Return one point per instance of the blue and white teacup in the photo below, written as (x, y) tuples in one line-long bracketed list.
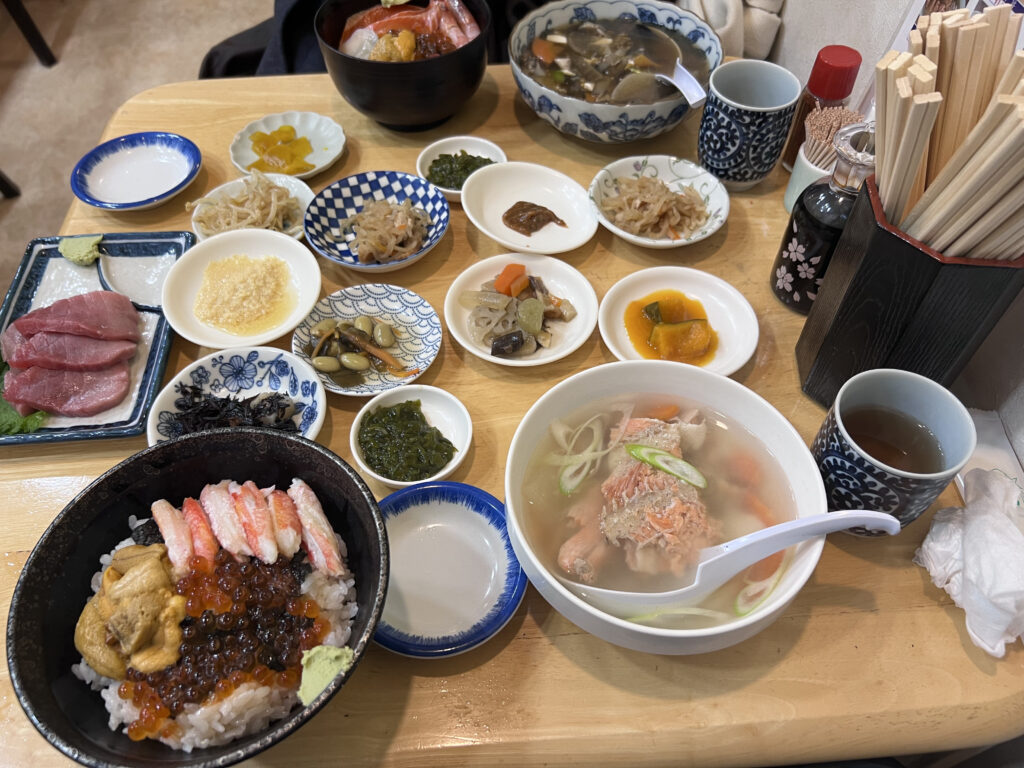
[(746, 120), (856, 479)]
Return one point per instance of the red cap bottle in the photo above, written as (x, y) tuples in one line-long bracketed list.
[(830, 85)]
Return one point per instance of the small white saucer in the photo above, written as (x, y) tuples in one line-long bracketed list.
[(728, 311), (325, 136), (455, 581), (493, 189)]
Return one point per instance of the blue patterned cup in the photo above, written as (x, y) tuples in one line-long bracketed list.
[(746, 119), (856, 479)]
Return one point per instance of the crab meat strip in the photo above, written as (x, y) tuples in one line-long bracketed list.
[(204, 543), (220, 509), (317, 535), (287, 526), (176, 535), (254, 514)]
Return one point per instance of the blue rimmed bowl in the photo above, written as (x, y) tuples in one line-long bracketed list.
[(347, 197), (608, 123), (241, 373), (136, 171), (455, 581), (415, 323)]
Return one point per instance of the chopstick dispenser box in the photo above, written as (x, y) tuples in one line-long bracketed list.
[(889, 301)]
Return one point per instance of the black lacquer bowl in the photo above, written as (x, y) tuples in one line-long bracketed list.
[(411, 95), (54, 586)]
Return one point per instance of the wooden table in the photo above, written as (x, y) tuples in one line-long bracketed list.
[(870, 659)]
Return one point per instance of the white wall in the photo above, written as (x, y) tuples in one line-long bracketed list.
[(865, 25)]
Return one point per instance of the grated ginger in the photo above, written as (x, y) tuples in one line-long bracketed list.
[(241, 294)]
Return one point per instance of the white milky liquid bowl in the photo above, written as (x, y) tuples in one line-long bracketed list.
[(714, 393)]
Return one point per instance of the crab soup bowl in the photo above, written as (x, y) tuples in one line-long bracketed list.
[(612, 123), (768, 432)]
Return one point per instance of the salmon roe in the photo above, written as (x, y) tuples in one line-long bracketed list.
[(245, 621)]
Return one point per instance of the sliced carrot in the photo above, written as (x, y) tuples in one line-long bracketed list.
[(519, 285), (743, 469), (762, 569), (503, 282), (545, 50), (759, 509), (663, 412)]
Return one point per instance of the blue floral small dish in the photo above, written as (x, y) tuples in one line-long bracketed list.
[(677, 174), (416, 326), (455, 581), (136, 171), (608, 123), (347, 197), (241, 373)]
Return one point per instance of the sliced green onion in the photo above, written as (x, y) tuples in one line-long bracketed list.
[(667, 462)]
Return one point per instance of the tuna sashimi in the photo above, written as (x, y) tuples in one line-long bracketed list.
[(100, 315), (67, 393), (63, 351)]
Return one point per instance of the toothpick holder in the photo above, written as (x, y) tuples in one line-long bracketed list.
[(889, 301)]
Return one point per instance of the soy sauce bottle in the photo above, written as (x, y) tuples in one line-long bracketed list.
[(818, 218)]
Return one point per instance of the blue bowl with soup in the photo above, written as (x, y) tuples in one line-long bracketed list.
[(575, 63), (584, 504)]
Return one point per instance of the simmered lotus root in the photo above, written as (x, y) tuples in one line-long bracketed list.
[(687, 339)]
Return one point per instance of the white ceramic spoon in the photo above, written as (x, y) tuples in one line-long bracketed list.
[(680, 76), (721, 562)]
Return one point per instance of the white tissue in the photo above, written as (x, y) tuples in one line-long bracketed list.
[(976, 554)]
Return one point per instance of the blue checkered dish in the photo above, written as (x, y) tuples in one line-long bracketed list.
[(347, 196)]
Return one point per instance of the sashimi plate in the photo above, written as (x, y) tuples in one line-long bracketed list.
[(134, 264), (455, 581)]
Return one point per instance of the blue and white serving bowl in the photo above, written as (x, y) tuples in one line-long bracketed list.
[(416, 326), (455, 581), (608, 123), (241, 373), (347, 197), (136, 171)]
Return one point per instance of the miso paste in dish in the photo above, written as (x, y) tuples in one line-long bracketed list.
[(610, 61), (625, 492)]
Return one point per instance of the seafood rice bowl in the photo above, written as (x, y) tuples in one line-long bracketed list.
[(236, 585), (199, 602)]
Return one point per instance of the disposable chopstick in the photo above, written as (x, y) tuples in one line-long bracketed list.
[(916, 41), (993, 218), (1009, 42), (896, 69), (933, 43), (983, 135), (992, 157), (901, 112), (961, 87), (999, 186), (881, 103), (997, 16), (920, 119), (1004, 242), (1012, 78), (983, 72), (946, 60)]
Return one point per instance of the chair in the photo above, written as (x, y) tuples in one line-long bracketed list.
[(31, 32), (7, 187)]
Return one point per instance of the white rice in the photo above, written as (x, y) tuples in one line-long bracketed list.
[(251, 707)]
